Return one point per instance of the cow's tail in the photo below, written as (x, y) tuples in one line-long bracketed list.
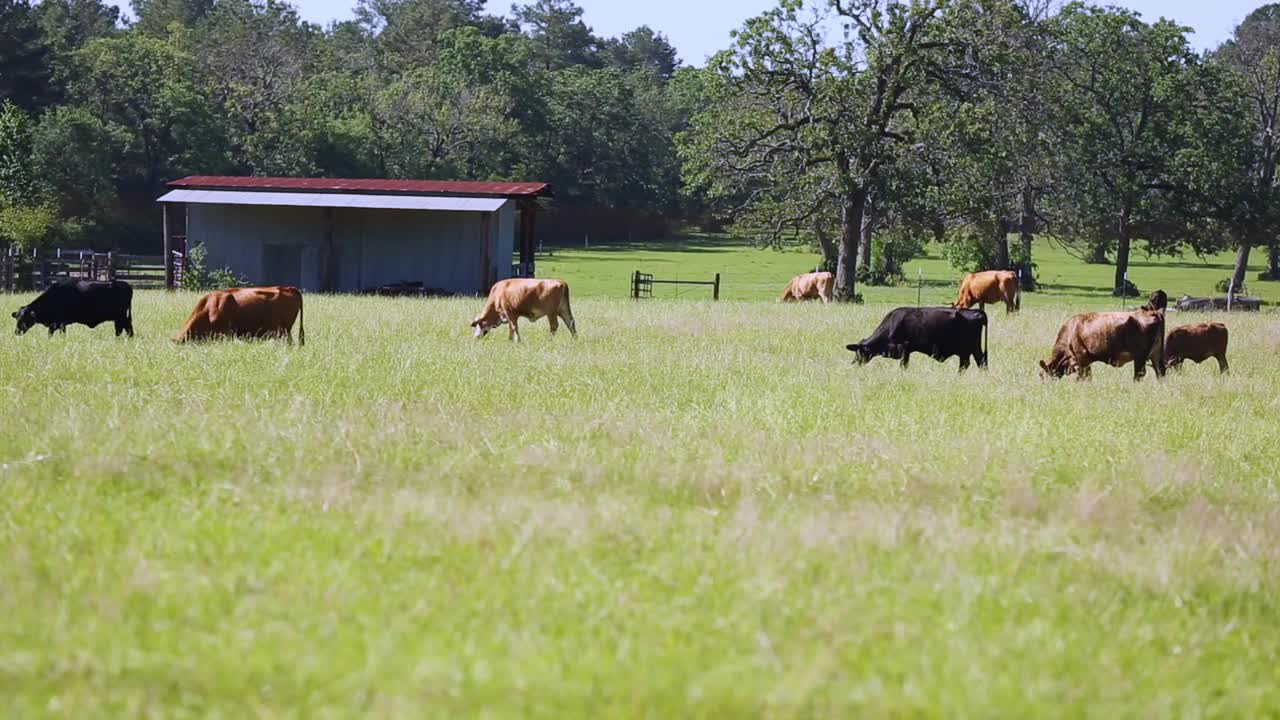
[(302, 327)]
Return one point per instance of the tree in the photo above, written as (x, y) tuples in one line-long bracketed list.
[(432, 124), (989, 124), (24, 58), (70, 24), (643, 49), (17, 182), (1124, 91), (252, 59), (155, 17), (1253, 55), (142, 90), (608, 140), (561, 39), (808, 126), (409, 32)]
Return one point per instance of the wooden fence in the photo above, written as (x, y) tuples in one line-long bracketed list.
[(38, 269)]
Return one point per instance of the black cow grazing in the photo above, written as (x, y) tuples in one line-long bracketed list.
[(79, 301), (939, 333)]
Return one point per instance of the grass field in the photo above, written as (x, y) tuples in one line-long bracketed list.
[(750, 274), (694, 510)]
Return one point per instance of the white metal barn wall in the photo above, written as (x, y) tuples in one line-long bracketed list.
[(442, 249)]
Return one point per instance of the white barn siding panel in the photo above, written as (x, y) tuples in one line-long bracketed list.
[(505, 242), (442, 249)]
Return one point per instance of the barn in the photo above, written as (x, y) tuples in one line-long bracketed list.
[(340, 235)]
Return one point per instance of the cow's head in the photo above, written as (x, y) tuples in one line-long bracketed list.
[(1158, 301), (26, 318), (861, 353), (484, 323), (1057, 369)]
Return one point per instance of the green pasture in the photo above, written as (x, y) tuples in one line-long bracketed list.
[(695, 509), (751, 274)]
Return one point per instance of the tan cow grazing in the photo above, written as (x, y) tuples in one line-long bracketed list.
[(1197, 343), (510, 300), (813, 286), (254, 312), (1114, 338), (991, 286)]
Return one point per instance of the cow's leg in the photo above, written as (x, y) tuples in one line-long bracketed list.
[(515, 330), (554, 323), (1139, 370), (1223, 368), (964, 361), (906, 357)]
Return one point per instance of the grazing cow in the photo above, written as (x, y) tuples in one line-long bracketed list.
[(992, 286), (1197, 343), (939, 333), (510, 300), (813, 286), (1158, 301), (83, 302), (1114, 338), (254, 312)]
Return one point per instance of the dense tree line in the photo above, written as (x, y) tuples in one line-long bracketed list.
[(96, 113), (864, 122), (865, 127)]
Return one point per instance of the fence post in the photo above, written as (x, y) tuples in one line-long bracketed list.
[(635, 285), (715, 294), (919, 285)]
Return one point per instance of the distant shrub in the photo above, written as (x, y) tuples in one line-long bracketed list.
[(198, 277)]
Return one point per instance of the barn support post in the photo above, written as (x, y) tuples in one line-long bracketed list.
[(327, 259), (168, 248), (528, 214)]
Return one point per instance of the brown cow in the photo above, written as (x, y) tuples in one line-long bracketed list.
[(255, 312), (1197, 343), (813, 286), (510, 300), (991, 286), (1114, 338)]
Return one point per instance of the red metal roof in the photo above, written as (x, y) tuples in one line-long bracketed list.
[(331, 185)]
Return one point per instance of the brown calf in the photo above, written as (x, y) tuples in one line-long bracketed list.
[(255, 312), (813, 286), (1114, 338), (510, 300), (991, 286), (1197, 343)]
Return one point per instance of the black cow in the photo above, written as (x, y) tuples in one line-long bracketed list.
[(939, 333), (79, 301)]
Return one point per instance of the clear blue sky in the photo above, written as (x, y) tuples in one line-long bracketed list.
[(699, 28)]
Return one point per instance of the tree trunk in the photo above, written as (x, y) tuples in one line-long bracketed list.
[(1242, 265), (869, 219), (1273, 263), (1122, 256), (1027, 228), (850, 230), (1098, 254), (1001, 241), (830, 252)]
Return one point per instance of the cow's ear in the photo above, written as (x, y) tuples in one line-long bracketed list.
[(852, 348)]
